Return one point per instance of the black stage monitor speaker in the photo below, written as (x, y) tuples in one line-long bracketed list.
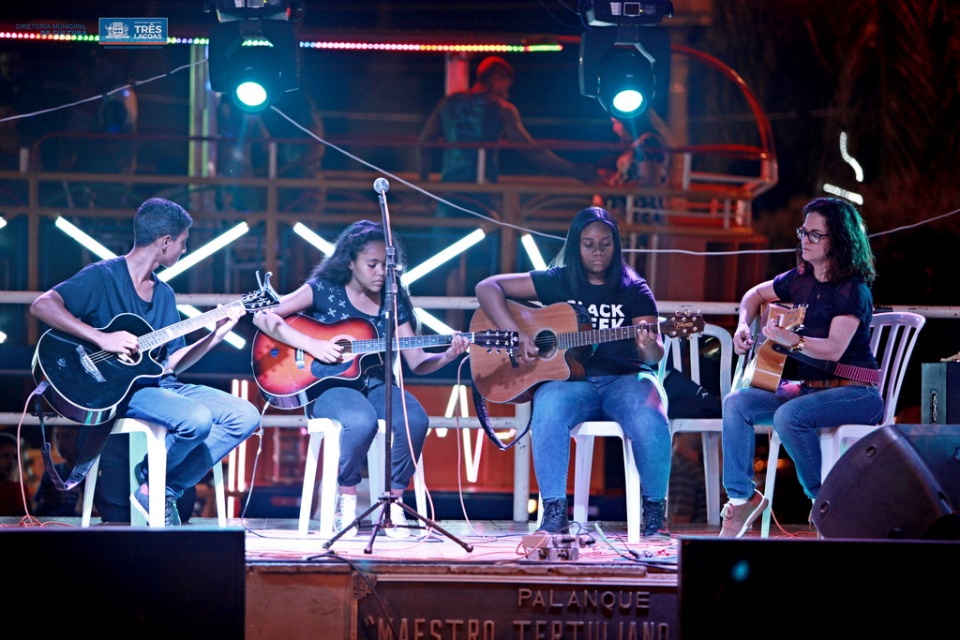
[(882, 488), (119, 582), (809, 588)]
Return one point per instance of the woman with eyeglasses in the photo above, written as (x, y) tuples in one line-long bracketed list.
[(819, 313)]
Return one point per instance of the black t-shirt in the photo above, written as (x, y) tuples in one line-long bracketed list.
[(605, 311), (331, 304), (103, 290), (827, 300)]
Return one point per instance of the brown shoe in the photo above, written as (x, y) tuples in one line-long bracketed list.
[(738, 518)]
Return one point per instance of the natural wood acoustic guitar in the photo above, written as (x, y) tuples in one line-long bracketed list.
[(562, 339), (763, 365)]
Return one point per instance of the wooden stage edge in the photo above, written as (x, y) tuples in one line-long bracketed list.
[(259, 578), (510, 584)]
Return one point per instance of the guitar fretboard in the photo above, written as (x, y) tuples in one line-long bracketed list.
[(150, 341), (376, 345), (596, 336)]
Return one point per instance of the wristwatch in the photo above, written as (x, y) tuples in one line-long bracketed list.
[(799, 346)]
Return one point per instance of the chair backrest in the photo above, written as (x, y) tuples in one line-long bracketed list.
[(673, 356), (893, 336)]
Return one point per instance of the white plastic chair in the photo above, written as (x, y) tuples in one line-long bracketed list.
[(326, 429), (709, 428), (585, 433), (583, 436), (153, 444), (893, 336)]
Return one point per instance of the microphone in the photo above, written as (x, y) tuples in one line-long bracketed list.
[(380, 185)]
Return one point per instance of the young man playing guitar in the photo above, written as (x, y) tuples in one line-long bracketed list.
[(835, 269), (619, 380), (204, 423), (347, 287)]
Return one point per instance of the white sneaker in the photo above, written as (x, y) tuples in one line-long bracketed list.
[(398, 517), (346, 514)]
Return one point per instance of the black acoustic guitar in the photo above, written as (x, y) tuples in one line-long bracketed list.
[(86, 384)]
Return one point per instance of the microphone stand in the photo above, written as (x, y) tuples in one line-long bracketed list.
[(387, 498)]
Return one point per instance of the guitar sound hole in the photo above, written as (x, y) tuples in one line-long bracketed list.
[(546, 344)]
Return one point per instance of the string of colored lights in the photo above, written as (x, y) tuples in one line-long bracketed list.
[(351, 44)]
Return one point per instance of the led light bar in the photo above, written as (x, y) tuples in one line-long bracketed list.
[(193, 257), (452, 251)]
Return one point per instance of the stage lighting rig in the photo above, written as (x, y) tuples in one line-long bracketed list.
[(228, 10), (609, 14), (624, 61), (254, 54)]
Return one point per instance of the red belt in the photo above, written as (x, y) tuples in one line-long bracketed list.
[(834, 382)]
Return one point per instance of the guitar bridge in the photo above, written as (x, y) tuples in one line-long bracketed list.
[(300, 360), (88, 366)]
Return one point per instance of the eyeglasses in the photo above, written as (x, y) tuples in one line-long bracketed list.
[(813, 236)]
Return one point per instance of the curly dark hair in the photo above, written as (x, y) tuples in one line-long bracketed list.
[(351, 241), (619, 273), (335, 268), (849, 250)]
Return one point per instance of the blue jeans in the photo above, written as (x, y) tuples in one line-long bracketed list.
[(203, 426), (797, 413), (636, 402), (359, 413)]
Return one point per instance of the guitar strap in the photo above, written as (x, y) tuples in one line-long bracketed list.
[(840, 370), (90, 441), (480, 403)]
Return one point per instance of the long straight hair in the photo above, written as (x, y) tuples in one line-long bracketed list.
[(618, 274)]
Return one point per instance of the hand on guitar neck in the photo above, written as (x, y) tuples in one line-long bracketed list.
[(763, 366)]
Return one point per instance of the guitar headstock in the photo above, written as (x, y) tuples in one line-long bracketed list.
[(497, 339), (263, 298), (682, 324), (789, 318)]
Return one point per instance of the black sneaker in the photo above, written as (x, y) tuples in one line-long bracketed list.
[(554, 516), (654, 519), (141, 502)]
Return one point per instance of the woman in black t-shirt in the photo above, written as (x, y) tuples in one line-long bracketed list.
[(619, 382)]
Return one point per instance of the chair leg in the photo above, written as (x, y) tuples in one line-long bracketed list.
[(711, 471), (157, 471), (420, 490), (634, 502), (309, 477), (771, 481), (583, 466), (327, 432), (220, 494), (375, 470), (89, 487)]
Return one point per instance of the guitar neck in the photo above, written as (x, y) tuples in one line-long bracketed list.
[(150, 341), (378, 345), (596, 336)]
